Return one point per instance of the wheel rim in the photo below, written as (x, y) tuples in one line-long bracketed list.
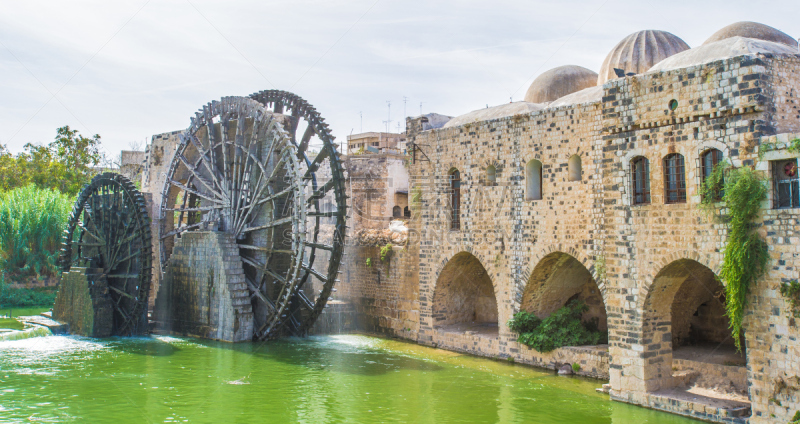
[(326, 203), (236, 170), (109, 232)]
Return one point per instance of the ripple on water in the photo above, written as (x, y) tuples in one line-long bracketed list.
[(319, 379)]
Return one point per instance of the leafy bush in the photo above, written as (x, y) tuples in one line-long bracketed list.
[(20, 298), (66, 164), (562, 328), (386, 252), (32, 222), (745, 258)]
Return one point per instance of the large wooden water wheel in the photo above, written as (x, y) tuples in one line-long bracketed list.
[(238, 170), (324, 180), (109, 233)]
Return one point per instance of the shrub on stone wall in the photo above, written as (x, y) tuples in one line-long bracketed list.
[(745, 257), (562, 328), (791, 291)]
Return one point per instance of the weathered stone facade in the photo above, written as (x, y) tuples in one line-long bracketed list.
[(83, 303), (204, 293), (654, 265), (548, 213), (158, 156)]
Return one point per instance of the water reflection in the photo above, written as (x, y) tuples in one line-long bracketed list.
[(341, 379)]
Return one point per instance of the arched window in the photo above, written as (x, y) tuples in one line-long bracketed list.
[(708, 160), (491, 175), (455, 200), (407, 212), (640, 180), (397, 212), (574, 166), (674, 179), (533, 180)]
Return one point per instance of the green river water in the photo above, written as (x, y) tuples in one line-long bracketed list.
[(330, 379)]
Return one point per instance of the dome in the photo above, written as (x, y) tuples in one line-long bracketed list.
[(639, 51), (558, 82), (752, 30), (719, 50), (494, 112)]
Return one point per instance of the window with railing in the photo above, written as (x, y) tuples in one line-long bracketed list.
[(674, 179), (491, 175), (785, 184), (455, 200), (708, 160), (640, 180)]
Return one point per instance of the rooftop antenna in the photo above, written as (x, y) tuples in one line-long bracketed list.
[(389, 118), (405, 100), (361, 114), (387, 126), (420, 107)]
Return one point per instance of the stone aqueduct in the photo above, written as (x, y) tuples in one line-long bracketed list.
[(550, 206), (648, 258)]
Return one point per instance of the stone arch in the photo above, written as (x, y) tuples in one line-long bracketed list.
[(713, 144), (559, 278), (683, 306), (464, 296), (711, 262), (557, 248)]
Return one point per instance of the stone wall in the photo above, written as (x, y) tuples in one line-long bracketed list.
[(204, 293), (652, 266), (158, 156), (83, 303), (373, 182), (132, 164), (385, 295)]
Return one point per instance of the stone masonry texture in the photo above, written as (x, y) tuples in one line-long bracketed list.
[(650, 266)]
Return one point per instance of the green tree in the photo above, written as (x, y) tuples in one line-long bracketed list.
[(66, 164), (11, 175)]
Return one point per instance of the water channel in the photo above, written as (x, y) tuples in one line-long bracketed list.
[(323, 379)]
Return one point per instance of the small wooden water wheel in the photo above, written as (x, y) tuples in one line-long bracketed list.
[(109, 233)]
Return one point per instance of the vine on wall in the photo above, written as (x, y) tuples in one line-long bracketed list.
[(745, 256), (791, 291)]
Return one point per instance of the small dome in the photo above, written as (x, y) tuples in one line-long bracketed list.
[(639, 51), (558, 82), (753, 30), (494, 112), (720, 50)]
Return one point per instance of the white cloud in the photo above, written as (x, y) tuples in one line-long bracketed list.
[(149, 68)]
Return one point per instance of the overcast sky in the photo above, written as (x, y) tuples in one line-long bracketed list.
[(129, 69)]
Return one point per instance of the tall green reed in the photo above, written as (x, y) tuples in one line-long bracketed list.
[(32, 222)]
